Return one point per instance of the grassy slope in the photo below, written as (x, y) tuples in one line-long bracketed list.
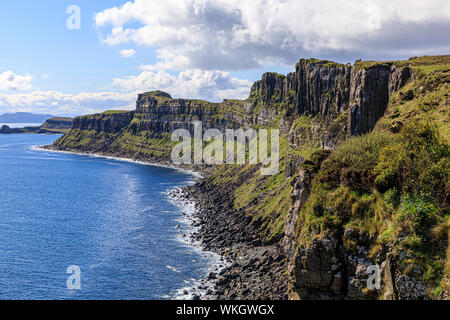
[(425, 98), (407, 209), (394, 182)]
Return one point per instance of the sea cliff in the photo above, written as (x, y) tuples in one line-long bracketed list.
[(363, 179)]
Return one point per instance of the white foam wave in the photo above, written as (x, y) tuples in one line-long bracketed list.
[(215, 263), (195, 174), (188, 208), (173, 269)]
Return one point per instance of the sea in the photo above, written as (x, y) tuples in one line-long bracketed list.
[(87, 227), (20, 125)]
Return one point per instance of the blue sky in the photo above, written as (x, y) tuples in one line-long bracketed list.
[(37, 41), (209, 49)]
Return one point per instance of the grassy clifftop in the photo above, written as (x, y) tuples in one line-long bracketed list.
[(392, 186), (426, 97)]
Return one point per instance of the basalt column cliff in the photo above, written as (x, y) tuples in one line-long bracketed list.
[(363, 180)]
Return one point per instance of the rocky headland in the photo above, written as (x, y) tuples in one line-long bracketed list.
[(363, 179), (55, 125)]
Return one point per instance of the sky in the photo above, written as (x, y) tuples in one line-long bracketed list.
[(199, 49)]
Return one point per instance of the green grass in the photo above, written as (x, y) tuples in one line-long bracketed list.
[(430, 101), (391, 187), (325, 63)]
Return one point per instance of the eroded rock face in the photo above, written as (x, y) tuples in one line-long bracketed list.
[(58, 122), (398, 78), (318, 271), (113, 122), (328, 89), (299, 196), (164, 115), (326, 269), (320, 89), (337, 264), (369, 97)]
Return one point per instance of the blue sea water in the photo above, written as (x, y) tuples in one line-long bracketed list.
[(113, 219)]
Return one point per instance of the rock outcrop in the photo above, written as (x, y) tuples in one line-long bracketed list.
[(157, 112), (318, 105), (107, 122), (328, 89), (56, 125), (317, 88)]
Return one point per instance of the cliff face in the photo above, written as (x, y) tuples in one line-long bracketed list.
[(316, 88), (57, 124), (328, 89), (341, 215), (316, 107), (157, 112), (109, 122)]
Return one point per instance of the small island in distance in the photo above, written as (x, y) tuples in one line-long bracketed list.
[(50, 124)]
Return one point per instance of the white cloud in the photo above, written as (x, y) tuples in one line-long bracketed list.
[(127, 53), (200, 38), (236, 34), (11, 81), (67, 104), (211, 85), (192, 83)]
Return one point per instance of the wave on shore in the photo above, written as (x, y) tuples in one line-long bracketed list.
[(202, 288), (188, 224), (196, 175)]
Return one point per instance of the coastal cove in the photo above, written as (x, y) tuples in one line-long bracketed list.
[(113, 218)]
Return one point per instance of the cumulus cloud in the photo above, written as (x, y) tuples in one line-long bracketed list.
[(11, 81), (127, 53), (211, 85), (198, 41), (67, 104), (236, 34), (192, 83)]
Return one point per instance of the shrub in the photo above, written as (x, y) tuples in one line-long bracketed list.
[(441, 230), (417, 213), (389, 167), (315, 160), (418, 163), (354, 159)]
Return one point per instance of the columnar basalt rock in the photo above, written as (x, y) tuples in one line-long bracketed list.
[(316, 88), (340, 100), (110, 122), (369, 97), (328, 89), (159, 113)]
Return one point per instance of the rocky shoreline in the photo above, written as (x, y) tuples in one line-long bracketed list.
[(257, 271), (250, 270)]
